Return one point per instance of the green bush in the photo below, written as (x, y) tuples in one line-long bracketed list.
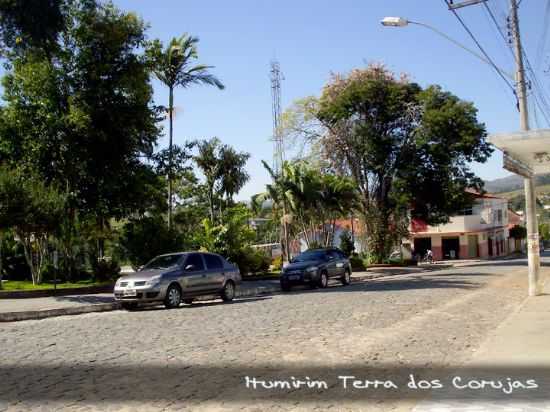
[(14, 265), (346, 243), (144, 238), (250, 260), (50, 273), (518, 232), (358, 263), (105, 270), (277, 263)]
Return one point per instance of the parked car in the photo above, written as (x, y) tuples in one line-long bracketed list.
[(179, 277), (315, 267)]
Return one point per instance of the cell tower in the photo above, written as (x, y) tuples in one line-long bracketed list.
[(278, 139), (278, 146)]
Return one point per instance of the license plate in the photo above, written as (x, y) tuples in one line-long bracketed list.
[(129, 292), (294, 277)]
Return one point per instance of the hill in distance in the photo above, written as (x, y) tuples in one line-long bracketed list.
[(512, 183)]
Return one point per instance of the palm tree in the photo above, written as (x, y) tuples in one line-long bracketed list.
[(174, 66)]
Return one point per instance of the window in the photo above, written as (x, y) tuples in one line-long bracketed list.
[(334, 254), (163, 262), (468, 212), (195, 260), (499, 215), (309, 255), (213, 262)]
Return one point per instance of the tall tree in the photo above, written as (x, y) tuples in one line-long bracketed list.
[(407, 149), (84, 117), (223, 169), (34, 211), (315, 199), (176, 66)]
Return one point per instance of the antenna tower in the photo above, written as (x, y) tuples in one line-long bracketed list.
[(278, 140)]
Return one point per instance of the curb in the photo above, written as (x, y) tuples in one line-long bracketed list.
[(45, 293), (48, 313)]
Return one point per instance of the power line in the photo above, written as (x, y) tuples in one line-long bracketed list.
[(540, 101), (542, 43), (499, 29), (480, 47)]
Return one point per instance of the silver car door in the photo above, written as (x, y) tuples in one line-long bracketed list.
[(194, 274), (215, 271)]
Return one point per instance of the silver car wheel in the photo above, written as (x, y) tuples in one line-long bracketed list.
[(348, 277), (324, 280), (174, 297), (229, 290)]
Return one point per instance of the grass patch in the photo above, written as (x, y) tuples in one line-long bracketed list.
[(12, 285)]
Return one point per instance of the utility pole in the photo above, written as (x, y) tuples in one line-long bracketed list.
[(533, 254)]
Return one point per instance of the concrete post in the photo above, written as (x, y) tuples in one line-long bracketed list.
[(528, 183)]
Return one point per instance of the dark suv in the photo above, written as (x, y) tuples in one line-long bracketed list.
[(314, 267)]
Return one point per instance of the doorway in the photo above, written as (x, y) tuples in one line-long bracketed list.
[(451, 247), (421, 246)]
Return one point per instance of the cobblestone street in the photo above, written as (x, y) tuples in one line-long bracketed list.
[(196, 357)]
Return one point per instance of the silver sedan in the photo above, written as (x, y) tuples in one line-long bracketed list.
[(179, 277)]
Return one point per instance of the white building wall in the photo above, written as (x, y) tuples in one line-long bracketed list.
[(486, 214)]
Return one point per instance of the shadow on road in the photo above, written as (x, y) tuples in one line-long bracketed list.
[(505, 263), (200, 304), (384, 285), (85, 299)]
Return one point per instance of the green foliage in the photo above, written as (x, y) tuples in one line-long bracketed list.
[(358, 263), (518, 232), (34, 211), (230, 238), (31, 23), (544, 231), (14, 264), (174, 65), (105, 270), (223, 169), (146, 237), (346, 243), (415, 152), (277, 263), (250, 260), (82, 116), (314, 200)]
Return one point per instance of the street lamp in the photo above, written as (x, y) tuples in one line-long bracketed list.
[(402, 22)]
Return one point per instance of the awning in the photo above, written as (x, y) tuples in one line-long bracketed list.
[(525, 153)]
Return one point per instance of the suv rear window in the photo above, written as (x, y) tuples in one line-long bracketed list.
[(213, 262)]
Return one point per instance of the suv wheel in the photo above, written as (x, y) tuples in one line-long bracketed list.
[(285, 286), (228, 292), (346, 278), (173, 297), (323, 280)]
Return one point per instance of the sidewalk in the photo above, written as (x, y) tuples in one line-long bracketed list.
[(518, 350), (524, 338)]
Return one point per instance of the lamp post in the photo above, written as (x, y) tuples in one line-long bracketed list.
[(519, 80), (402, 22)]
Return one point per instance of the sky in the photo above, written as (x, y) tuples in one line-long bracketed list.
[(314, 38)]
